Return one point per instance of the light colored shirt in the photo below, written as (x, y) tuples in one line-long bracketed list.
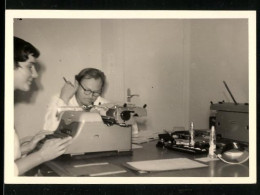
[(51, 120), (17, 152)]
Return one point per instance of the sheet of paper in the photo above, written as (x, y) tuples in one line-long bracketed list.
[(144, 136), (165, 164), (206, 159), (136, 146), (94, 169)]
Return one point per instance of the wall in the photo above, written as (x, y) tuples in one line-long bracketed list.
[(155, 70), (112, 39), (219, 52)]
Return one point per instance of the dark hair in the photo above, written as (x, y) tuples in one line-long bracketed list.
[(22, 50), (91, 73)]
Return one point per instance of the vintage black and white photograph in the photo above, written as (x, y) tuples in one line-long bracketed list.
[(130, 97)]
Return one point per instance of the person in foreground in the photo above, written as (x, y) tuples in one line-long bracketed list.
[(25, 157), (86, 92)]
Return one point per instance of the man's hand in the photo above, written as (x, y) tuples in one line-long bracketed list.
[(68, 90)]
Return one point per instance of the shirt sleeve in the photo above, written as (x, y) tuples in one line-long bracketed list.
[(51, 120)]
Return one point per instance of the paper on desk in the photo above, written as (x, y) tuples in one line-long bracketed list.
[(165, 164), (136, 146), (144, 137), (206, 159), (94, 169)]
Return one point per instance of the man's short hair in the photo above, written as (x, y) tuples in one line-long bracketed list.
[(90, 73), (22, 50)]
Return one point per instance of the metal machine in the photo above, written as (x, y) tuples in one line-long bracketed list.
[(92, 132), (232, 119)]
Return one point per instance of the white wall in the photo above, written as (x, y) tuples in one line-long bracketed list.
[(185, 62), (155, 69), (112, 39), (219, 52)]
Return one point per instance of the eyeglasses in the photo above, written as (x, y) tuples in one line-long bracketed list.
[(88, 92)]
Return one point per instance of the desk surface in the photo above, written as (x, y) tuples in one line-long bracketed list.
[(149, 151)]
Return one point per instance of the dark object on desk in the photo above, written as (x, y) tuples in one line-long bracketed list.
[(234, 153), (212, 121), (231, 119), (180, 141), (124, 115)]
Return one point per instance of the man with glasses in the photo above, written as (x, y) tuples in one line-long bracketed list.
[(85, 92)]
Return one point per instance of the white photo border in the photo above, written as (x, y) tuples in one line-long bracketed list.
[(9, 177)]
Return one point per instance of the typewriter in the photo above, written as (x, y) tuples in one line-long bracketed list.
[(94, 133)]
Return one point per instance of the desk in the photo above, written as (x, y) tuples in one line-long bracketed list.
[(151, 152)]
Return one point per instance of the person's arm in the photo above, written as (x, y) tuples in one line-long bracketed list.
[(51, 121), (28, 162), (50, 150), (29, 145)]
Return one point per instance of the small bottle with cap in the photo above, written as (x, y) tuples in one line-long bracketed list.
[(212, 143), (135, 129), (192, 135)]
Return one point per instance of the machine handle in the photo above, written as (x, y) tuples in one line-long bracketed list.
[(129, 95)]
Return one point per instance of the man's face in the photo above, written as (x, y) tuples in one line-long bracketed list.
[(88, 91), (24, 75)]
